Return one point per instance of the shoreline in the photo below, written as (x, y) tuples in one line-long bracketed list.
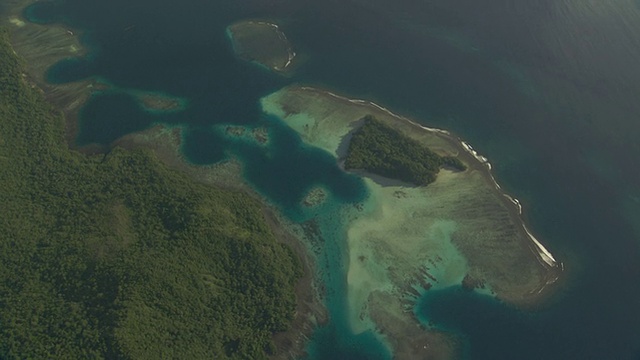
[(310, 311)]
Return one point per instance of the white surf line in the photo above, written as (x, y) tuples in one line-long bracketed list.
[(382, 108), (515, 201), (475, 154), (290, 53), (464, 144), (544, 254)]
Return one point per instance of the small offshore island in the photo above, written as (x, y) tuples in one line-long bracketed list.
[(263, 43), (435, 218)]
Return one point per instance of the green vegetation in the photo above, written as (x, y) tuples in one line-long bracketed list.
[(380, 149), (116, 256)]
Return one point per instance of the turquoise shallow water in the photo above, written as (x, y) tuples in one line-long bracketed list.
[(547, 90), (285, 173)]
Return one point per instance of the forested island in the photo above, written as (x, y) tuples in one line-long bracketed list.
[(382, 150), (117, 256)]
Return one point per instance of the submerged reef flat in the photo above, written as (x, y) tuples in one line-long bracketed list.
[(263, 43), (460, 230), (158, 102), (258, 135), (314, 197)]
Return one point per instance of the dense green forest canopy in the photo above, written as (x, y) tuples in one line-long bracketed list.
[(116, 256), (382, 150)]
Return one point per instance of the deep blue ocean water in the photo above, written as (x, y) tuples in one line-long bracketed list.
[(548, 90)]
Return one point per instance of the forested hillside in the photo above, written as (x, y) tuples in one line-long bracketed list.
[(116, 256)]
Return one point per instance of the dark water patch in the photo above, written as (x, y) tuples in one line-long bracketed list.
[(470, 315), (109, 115), (371, 57), (546, 334), (70, 70), (45, 12), (287, 169), (150, 48), (327, 343), (203, 146)]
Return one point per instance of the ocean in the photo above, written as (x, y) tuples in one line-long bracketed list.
[(549, 91)]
